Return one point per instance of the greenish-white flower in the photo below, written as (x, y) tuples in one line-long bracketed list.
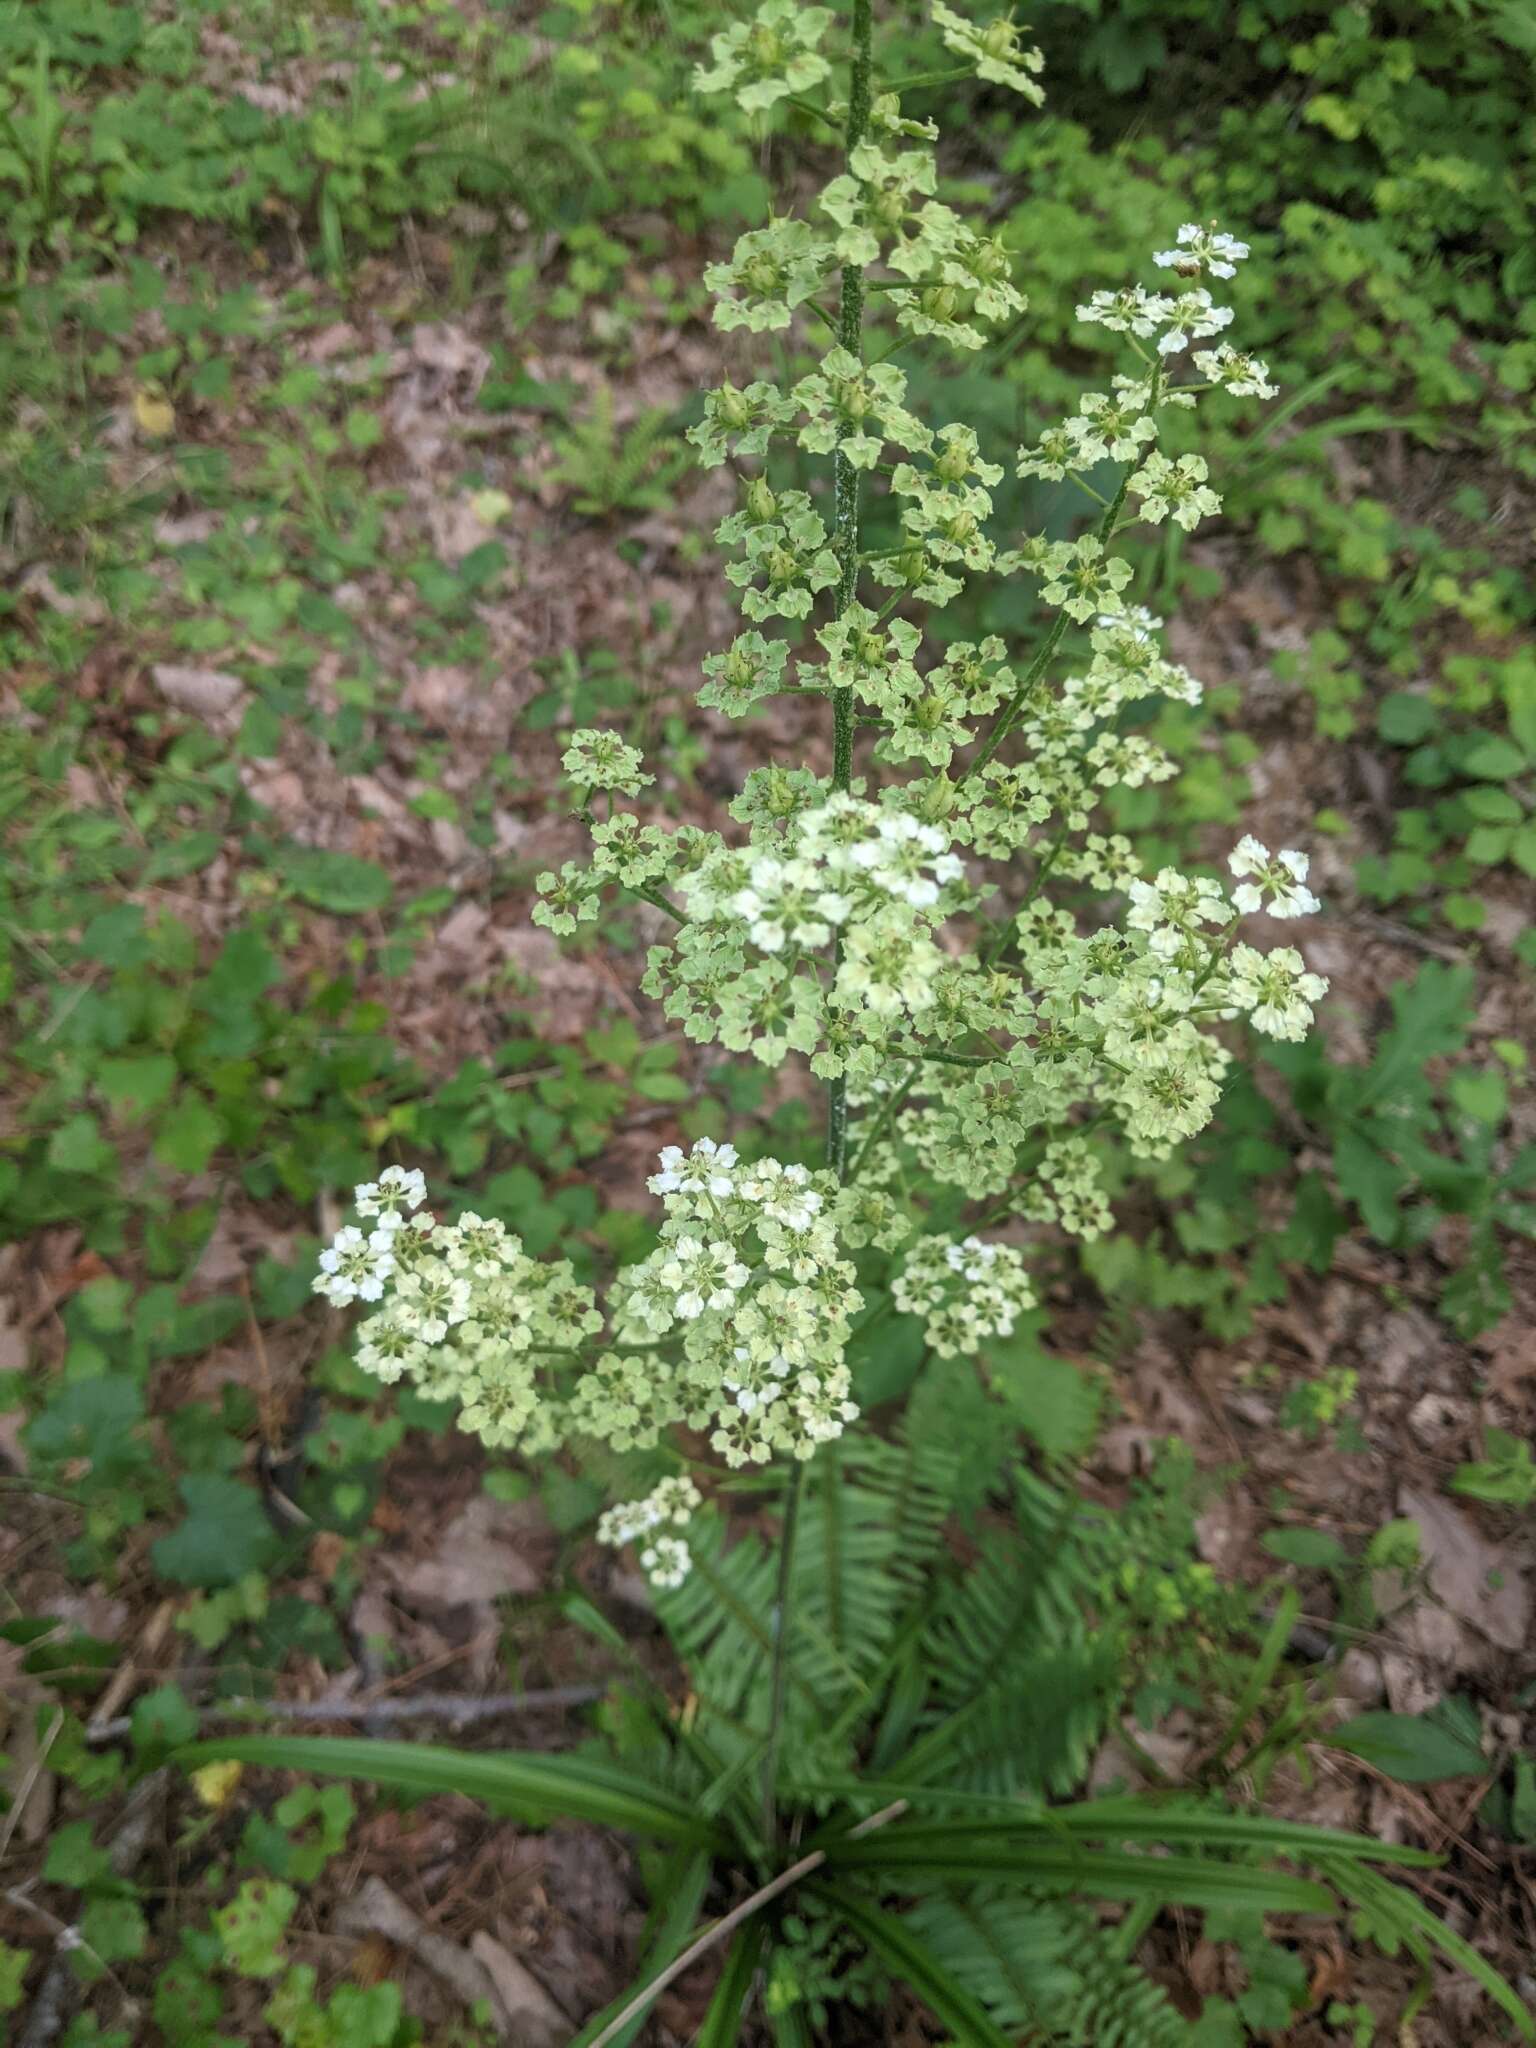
[(766, 59), (995, 48), (772, 271)]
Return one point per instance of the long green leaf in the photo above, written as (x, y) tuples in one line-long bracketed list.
[(1263, 1669), (1148, 1820), (957, 1852), (791, 2029), (1419, 1929), (905, 1956), (1116, 1820), (541, 1788), (722, 2023)]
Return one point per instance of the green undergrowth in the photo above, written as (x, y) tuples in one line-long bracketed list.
[(171, 1076)]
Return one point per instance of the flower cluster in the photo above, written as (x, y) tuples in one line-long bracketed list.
[(752, 966), (964, 1292), (949, 929), (354, 1267), (1281, 875), (735, 1324), (665, 1560)]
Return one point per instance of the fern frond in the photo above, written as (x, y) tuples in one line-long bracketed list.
[(720, 1620), (1049, 1967), (1031, 1730)]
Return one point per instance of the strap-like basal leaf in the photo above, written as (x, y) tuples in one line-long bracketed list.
[(541, 1788)]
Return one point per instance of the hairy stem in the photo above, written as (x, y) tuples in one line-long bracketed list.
[(845, 542), (845, 518), (794, 1487)]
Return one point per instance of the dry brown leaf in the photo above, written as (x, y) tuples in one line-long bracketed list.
[(1461, 1565), (485, 1552), (208, 693)]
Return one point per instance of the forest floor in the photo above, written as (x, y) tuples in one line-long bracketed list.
[(455, 1590)]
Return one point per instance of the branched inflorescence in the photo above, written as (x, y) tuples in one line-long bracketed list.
[(852, 921)]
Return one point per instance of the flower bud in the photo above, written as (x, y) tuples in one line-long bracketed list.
[(731, 408), (938, 799), (762, 505)]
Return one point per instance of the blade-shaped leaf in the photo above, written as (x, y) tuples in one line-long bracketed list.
[(1093, 1873), (905, 1956), (540, 1788), (985, 1817), (722, 2023), (1148, 1820), (1394, 1908)]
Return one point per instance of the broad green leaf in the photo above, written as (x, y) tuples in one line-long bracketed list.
[(77, 1146), (14, 1963), (333, 881), (1432, 1014), (138, 1084), (117, 937), (1522, 849), (540, 1788), (1493, 806), (163, 1719), (225, 1535), (111, 1931), (1045, 1394), (1494, 759), (73, 1858), (188, 1135), (1410, 1747), (1309, 1547), (1482, 1094), (1404, 718)]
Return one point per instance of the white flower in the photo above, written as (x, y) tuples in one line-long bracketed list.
[(667, 1561), (1275, 989), (1177, 487), (1132, 311), (354, 1267), (1192, 317), (707, 1170), (1202, 249), (391, 1195), (1283, 874), (704, 1276), (1243, 376)]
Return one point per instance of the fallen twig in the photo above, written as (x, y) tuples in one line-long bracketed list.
[(719, 1929), (60, 1989), (459, 1710)]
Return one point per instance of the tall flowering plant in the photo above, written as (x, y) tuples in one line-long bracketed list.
[(942, 929)]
